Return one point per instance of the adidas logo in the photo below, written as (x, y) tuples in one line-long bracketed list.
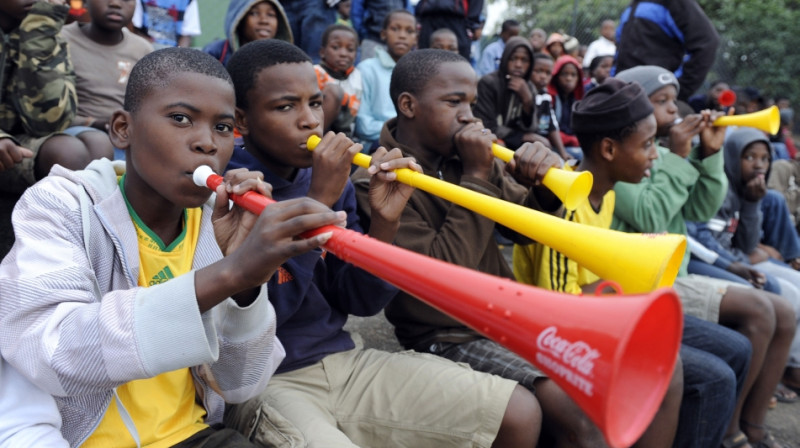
[(162, 276)]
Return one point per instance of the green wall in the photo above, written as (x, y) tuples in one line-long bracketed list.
[(212, 18)]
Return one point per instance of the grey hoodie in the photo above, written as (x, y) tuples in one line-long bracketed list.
[(237, 11), (737, 225)]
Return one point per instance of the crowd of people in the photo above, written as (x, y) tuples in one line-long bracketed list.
[(138, 308)]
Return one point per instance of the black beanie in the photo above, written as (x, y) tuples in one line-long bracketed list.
[(614, 104)]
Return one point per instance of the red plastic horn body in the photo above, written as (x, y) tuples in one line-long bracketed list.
[(613, 355)]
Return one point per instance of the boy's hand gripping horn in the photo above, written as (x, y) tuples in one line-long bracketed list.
[(571, 187), (614, 355)]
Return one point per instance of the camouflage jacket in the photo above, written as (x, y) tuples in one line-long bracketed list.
[(37, 83)]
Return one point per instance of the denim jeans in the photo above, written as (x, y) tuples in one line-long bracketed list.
[(308, 20), (777, 228), (700, 267), (715, 362)]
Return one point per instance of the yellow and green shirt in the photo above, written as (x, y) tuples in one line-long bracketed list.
[(543, 266), (164, 408)]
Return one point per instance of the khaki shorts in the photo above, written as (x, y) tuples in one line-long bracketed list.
[(701, 295), (370, 398), (21, 176)]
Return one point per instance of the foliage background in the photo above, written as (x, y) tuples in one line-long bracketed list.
[(759, 45)]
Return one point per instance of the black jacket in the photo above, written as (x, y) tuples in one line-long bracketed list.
[(663, 33)]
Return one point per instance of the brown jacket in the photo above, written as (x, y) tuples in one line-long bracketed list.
[(440, 229)]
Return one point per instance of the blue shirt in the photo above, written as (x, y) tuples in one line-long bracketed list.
[(313, 293), (490, 58), (376, 103)]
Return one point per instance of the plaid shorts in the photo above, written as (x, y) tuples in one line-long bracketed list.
[(485, 355)]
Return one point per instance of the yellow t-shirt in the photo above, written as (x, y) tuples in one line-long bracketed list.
[(163, 408), (542, 266)]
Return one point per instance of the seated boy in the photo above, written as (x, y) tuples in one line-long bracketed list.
[(400, 35), (103, 52), (249, 20), (737, 228), (39, 98), (506, 97), (616, 128), (337, 55), (546, 122), (689, 184), (433, 91), (331, 393), (444, 39), (135, 297)]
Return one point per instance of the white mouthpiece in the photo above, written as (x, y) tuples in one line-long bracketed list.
[(201, 174)]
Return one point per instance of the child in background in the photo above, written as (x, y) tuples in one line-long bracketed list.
[(566, 87), (433, 91), (688, 184), (444, 39), (546, 121), (249, 20), (506, 96), (39, 100), (337, 55), (554, 45), (150, 289), (400, 35), (329, 392), (742, 232), (537, 38), (343, 13), (599, 70), (103, 53)]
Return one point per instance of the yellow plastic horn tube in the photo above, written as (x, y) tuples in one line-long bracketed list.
[(570, 186)]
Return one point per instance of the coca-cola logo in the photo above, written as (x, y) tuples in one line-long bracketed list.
[(578, 355)]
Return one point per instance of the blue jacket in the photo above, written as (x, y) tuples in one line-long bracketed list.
[(315, 292), (376, 103), (222, 49), (674, 34)]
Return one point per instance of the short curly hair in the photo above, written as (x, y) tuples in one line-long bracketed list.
[(416, 68), (248, 61), (158, 68)]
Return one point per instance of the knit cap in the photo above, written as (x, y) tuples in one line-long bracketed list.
[(613, 104), (650, 77)]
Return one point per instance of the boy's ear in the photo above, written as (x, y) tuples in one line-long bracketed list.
[(119, 129), (241, 121), (608, 149), (407, 105)]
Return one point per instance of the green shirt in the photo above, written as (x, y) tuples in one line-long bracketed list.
[(678, 190)]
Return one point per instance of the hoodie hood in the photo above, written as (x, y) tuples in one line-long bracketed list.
[(734, 146), (237, 11), (552, 88), (512, 44)]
